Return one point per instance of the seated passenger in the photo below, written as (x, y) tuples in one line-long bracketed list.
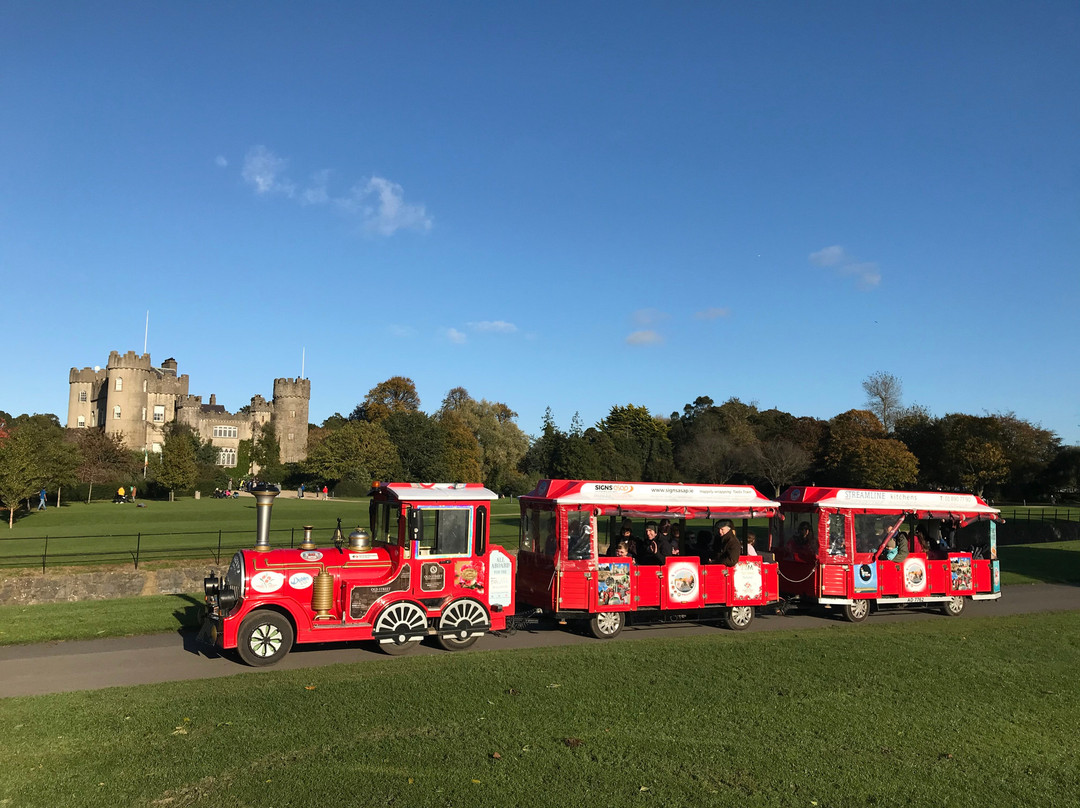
[(649, 551), (666, 543), (622, 550), (626, 534), (902, 546), (889, 552), (703, 546), (676, 539), (802, 543), (920, 541), (727, 543), (751, 540)]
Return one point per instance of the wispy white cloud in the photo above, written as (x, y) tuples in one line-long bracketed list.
[(262, 171), (401, 331), (221, 162), (644, 337), (867, 274), (378, 203), (455, 336), (647, 317), (714, 313), (493, 326)]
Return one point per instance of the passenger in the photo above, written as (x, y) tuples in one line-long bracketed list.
[(649, 551), (902, 546), (676, 539), (921, 540), (802, 543), (703, 546), (889, 551), (622, 550), (666, 543), (727, 543), (626, 534), (751, 539)]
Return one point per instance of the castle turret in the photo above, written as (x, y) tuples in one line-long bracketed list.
[(291, 398)]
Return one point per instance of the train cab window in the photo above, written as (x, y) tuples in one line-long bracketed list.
[(545, 533), (798, 533), (837, 537), (581, 536), (384, 522), (526, 543), (872, 530), (442, 531)]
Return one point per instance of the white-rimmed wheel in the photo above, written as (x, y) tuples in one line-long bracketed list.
[(857, 610), (462, 623), (738, 618), (264, 638), (953, 606), (606, 625), (400, 627)]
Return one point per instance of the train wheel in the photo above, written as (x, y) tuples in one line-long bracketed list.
[(857, 610), (739, 617), (606, 625), (463, 622), (264, 638), (400, 627), (953, 606)]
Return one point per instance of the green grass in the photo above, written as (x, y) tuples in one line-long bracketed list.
[(1047, 562), (88, 619), (102, 532), (978, 712)]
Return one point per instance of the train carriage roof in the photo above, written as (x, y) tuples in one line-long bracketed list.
[(436, 491), (930, 503), (644, 496)]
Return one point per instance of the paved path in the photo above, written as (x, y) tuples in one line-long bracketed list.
[(93, 664)]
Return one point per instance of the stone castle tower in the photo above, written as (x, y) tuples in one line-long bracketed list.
[(136, 400)]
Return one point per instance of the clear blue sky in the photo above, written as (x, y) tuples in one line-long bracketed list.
[(571, 205)]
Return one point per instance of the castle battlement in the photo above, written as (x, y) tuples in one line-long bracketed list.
[(298, 388), (86, 376), (129, 361)]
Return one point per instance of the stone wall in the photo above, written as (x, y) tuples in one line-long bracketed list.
[(98, 584)]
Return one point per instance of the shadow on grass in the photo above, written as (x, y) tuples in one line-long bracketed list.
[(1050, 565)]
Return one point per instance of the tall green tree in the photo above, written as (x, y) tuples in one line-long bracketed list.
[(421, 445), (358, 452), (178, 467), (20, 469), (266, 453), (102, 458), (396, 394)]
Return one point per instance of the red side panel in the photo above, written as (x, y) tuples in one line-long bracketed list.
[(834, 581), (683, 584), (888, 577), (536, 580), (939, 577), (649, 580), (574, 588), (982, 574), (716, 584)]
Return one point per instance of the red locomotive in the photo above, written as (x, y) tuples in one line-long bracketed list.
[(426, 568)]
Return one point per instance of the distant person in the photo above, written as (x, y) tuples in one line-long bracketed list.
[(41, 500), (133, 493), (300, 491), (325, 491)]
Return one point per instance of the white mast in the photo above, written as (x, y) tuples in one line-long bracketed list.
[(303, 356), (146, 333)]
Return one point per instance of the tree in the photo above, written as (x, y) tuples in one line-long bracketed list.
[(780, 462), (359, 452), (103, 458), (420, 441), (266, 453), (396, 394), (858, 453), (463, 460), (178, 467), (883, 397), (20, 469), (502, 443), (642, 447)]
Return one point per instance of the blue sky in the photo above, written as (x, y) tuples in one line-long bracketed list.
[(571, 205)]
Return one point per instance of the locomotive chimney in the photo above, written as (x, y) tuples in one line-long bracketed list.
[(264, 498)]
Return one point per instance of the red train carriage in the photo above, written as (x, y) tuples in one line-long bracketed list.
[(426, 568), (569, 527), (855, 548)]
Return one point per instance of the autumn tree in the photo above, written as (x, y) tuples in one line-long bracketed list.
[(883, 397), (463, 457), (102, 458), (502, 443), (859, 453), (396, 394)]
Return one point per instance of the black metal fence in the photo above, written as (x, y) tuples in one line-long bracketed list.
[(136, 548), (1036, 525)]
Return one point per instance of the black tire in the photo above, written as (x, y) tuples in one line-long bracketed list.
[(400, 627), (738, 618), (606, 625), (857, 610), (954, 607), (264, 638), (460, 623)]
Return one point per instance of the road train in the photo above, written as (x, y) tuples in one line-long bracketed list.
[(425, 567)]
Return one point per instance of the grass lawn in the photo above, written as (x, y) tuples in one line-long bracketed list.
[(1050, 562), (976, 712)]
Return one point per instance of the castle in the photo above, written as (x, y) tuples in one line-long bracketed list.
[(132, 398)]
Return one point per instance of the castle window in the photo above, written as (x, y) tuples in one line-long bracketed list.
[(155, 448), (82, 422), (159, 413), (144, 385), (227, 457), (290, 436), (144, 413), (116, 412), (119, 383), (82, 395), (225, 432)]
